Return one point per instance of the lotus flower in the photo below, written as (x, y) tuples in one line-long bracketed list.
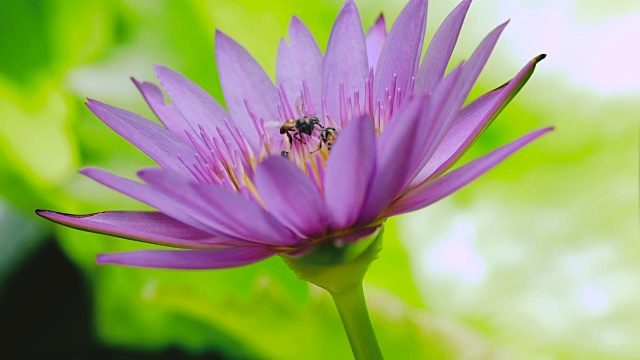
[(338, 144)]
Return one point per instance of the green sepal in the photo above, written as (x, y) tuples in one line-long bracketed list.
[(337, 267)]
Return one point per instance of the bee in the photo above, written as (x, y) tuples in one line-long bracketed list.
[(284, 153), (303, 125), (328, 136)]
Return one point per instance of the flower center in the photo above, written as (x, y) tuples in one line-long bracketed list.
[(302, 136)]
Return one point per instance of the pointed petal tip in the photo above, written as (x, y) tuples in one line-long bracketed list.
[(60, 217), (295, 21), (222, 39), (533, 135), (106, 259), (88, 170), (349, 4), (52, 215), (294, 24), (142, 172), (93, 104), (102, 259), (500, 28), (529, 68), (148, 172), (43, 213), (464, 5), (110, 259), (142, 86), (221, 36), (162, 70), (380, 19), (56, 217)]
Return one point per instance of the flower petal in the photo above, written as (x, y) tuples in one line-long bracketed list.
[(471, 122), (440, 48), (225, 211), (465, 80), (397, 156), (430, 192), (159, 143), (438, 122), (243, 79), (375, 41), (189, 259), (291, 196), (153, 198), (146, 226), (470, 72), (345, 63), (400, 55), (349, 171), (166, 112), (412, 136), (197, 106), (299, 61)]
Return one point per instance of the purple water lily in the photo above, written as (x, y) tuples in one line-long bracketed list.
[(340, 143)]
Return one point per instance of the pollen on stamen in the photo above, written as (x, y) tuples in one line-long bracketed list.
[(223, 158), (299, 142), (314, 167), (220, 150), (251, 192), (242, 145), (378, 117)]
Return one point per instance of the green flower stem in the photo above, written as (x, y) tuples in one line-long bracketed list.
[(339, 269), (355, 318)]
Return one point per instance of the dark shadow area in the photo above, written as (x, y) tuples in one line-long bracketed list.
[(45, 312)]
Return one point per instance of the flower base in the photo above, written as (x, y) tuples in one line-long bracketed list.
[(340, 270)]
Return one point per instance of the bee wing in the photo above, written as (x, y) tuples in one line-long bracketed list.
[(300, 106), (273, 124)]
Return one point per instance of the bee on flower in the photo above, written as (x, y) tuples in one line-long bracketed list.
[(376, 131), (223, 190)]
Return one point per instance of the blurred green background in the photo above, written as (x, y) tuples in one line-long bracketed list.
[(539, 259)]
